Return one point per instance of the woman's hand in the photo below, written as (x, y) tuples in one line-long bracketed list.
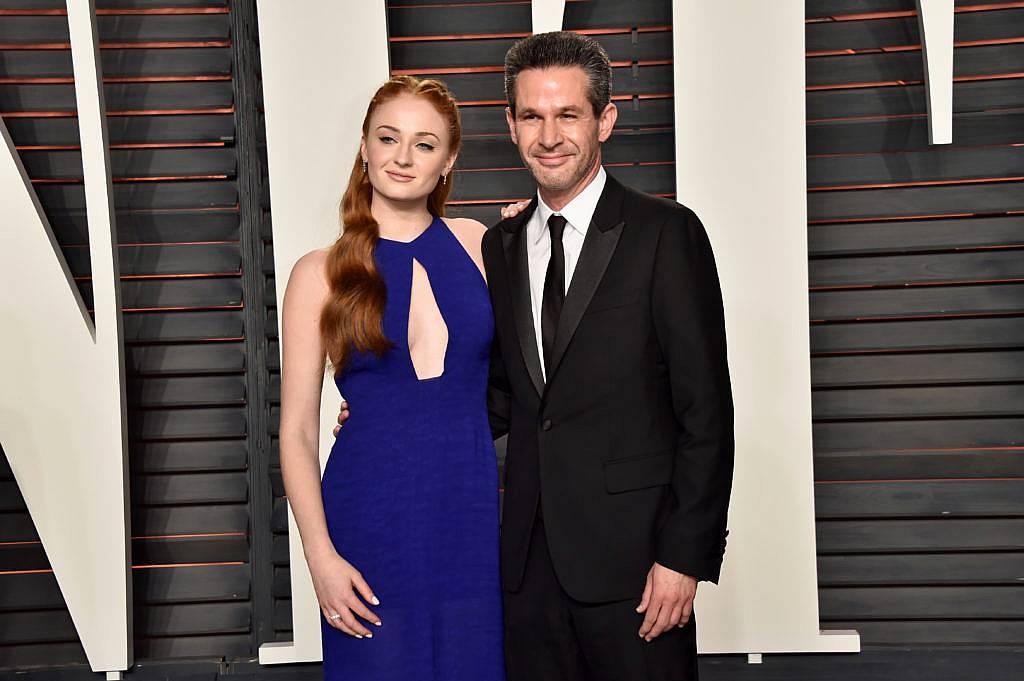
[(514, 209), (336, 583)]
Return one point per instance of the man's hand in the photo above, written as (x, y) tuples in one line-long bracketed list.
[(667, 600), (342, 417)]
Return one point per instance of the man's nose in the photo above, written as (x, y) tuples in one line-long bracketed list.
[(550, 135)]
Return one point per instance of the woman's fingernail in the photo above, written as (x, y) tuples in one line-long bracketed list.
[(358, 636), (377, 623), (369, 635), (375, 601)]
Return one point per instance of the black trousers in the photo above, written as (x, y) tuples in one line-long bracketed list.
[(549, 636)]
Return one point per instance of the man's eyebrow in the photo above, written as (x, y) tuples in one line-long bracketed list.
[(571, 108)]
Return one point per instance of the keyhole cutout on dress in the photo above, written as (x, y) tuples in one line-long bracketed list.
[(428, 333)]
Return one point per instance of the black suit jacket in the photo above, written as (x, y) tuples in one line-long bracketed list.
[(630, 442)]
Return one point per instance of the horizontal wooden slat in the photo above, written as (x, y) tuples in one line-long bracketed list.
[(164, 520), (927, 334), (919, 464), (197, 358), (962, 433), (1001, 265), (164, 424), (192, 488), (147, 196), (870, 204), (178, 647), (177, 293), (939, 534), (963, 498), (943, 368), (118, 28), (817, 10), (121, 130), (186, 457), (901, 134), (136, 63), (37, 627), (900, 67), (134, 163), (590, 14), (166, 260), (42, 654), (982, 95), (915, 235), (145, 552), (917, 302), (947, 634), (182, 326), (922, 569), (940, 164), (192, 619), (186, 391), (899, 31), (953, 602), (931, 401), (475, 19), (188, 550), (185, 97)]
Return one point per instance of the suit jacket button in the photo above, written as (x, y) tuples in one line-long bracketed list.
[(546, 425)]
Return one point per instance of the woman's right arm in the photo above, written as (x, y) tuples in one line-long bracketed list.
[(302, 375)]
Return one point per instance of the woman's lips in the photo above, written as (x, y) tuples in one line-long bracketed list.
[(398, 177)]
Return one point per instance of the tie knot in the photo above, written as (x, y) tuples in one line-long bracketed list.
[(556, 224)]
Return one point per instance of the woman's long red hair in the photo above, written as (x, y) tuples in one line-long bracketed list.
[(352, 317)]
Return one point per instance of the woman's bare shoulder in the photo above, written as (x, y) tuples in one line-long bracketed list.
[(467, 229), (310, 273)]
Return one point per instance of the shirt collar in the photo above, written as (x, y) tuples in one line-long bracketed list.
[(578, 212)]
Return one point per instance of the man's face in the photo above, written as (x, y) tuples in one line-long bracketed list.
[(555, 128)]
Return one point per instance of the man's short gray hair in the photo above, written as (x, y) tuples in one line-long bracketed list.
[(561, 48)]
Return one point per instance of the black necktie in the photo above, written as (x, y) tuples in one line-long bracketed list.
[(554, 289)]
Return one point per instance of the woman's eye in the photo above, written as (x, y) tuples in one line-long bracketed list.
[(425, 146), (387, 140)]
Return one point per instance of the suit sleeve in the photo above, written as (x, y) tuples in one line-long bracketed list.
[(498, 393), (499, 398), (690, 327)]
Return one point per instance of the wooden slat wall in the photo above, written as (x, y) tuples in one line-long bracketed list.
[(917, 302), (168, 86)]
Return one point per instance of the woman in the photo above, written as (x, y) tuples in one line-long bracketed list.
[(401, 533)]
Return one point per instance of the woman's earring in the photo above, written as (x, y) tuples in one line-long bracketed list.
[(364, 167), (444, 178)]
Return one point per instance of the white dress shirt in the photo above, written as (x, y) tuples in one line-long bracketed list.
[(578, 214)]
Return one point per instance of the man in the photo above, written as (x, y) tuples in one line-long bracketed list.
[(610, 377)]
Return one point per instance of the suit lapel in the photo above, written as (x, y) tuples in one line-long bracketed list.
[(598, 247), (513, 239)]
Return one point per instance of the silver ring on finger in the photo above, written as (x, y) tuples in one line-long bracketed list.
[(335, 616)]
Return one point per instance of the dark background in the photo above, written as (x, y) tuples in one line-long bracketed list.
[(916, 298)]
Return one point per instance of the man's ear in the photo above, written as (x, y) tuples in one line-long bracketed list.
[(606, 121), (510, 117)]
